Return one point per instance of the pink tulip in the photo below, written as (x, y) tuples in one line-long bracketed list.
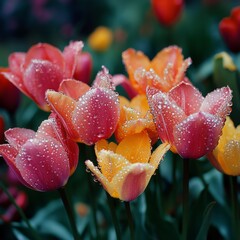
[(191, 123), (41, 160), (89, 114), (44, 67)]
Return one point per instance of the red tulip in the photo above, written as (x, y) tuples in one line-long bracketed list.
[(191, 123), (41, 160), (44, 67), (9, 94), (89, 114), (167, 11), (229, 28)]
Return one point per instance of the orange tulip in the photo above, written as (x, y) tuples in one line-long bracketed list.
[(135, 117), (226, 156), (165, 71), (126, 169), (89, 114)]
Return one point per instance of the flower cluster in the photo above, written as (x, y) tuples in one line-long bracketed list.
[(163, 105)]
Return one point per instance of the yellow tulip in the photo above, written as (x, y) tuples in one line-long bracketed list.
[(226, 156), (125, 169)]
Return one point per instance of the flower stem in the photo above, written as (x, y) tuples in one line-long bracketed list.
[(20, 211), (130, 219), (185, 198), (70, 212), (235, 210), (114, 217)]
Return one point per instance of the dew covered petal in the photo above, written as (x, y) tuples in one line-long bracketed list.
[(18, 136), (101, 178), (71, 53), (96, 115), (73, 88), (15, 63), (197, 135), (218, 102), (132, 180), (111, 163), (63, 106), (187, 97), (135, 148), (166, 115), (39, 76), (43, 164)]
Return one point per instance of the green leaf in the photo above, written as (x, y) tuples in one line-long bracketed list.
[(202, 235)]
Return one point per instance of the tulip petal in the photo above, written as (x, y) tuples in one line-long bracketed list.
[(18, 136), (104, 145), (197, 135), (45, 154), (96, 115), (218, 102), (110, 163), (15, 62), (135, 148), (158, 154), (71, 53), (132, 180), (63, 106), (39, 76), (187, 97), (44, 51), (73, 88), (9, 154), (101, 178), (166, 115)]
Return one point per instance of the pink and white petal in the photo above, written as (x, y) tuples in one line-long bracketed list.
[(44, 51), (96, 115), (103, 80), (166, 115), (218, 102), (43, 164), (71, 53), (16, 137), (101, 178), (9, 154), (132, 180), (73, 88), (197, 135), (187, 97), (63, 106), (182, 69), (158, 154)]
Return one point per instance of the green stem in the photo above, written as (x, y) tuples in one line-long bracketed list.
[(185, 198), (20, 211), (234, 200), (114, 216), (70, 212), (130, 219)]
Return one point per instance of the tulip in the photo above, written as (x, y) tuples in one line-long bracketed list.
[(225, 157), (9, 94), (125, 169), (41, 160), (89, 114), (167, 11), (229, 28), (191, 123), (165, 71), (44, 67), (100, 39), (135, 117)]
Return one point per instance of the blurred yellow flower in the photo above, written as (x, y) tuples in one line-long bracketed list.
[(100, 39), (226, 156), (125, 169), (135, 117)]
